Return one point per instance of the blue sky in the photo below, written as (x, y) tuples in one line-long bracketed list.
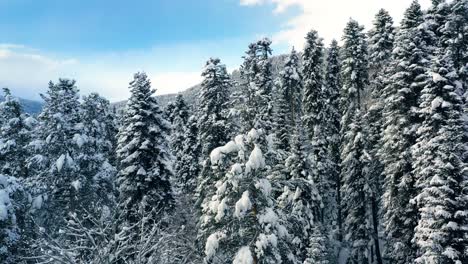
[(101, 43)]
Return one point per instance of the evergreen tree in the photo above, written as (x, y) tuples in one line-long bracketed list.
[(288, 108), (381, 40), (400, 97), (317, 252), (188, 167), (300, 201), (180, 115), (313, 81), (212, 121), (239, 222), (97, 151), (257, 84), (456, 36), (55, 179), (15, 134), (355, 191), (13, 207), (354, 163), (144, 161), (435, 22), (214, 94), (332, 88), (439, 169)]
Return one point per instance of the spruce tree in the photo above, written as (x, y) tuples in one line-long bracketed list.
[(381, 40), (55, 179), (97, 151), (144, 166), (332, 89), (400, 97), (15, 134), (299, 200), (288, 107), (456, 36), (187, 168), (212, 122), (180, 115), (313, 80), (214, 95), (353, 165), (239, 222), (439, 169), (256, 109)]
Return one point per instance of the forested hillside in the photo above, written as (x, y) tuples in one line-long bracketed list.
[(353, 151)]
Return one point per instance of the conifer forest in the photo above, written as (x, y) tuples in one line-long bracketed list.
[(348, 152)]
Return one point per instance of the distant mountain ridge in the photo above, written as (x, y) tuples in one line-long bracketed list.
[(29, 106), (191, 94)]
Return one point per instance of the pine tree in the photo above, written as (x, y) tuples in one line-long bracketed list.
[(15, 134), (317, 252), (239, 222), (381, 40), (435, 22), (439, 169), (97, 151), (313, 81), (288, 107), (354, 189), (13, 206), (54, 180), (257, 84), (400, 96), (214, 95), (212, 120), (299, 200), (180, 115), (456, 36), (332, 88), (188, 167), (144, 162)]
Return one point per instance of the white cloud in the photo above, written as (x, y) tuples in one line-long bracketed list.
[(328, 17), (251, 2), (27, 72)]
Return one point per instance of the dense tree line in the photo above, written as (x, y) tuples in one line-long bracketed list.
[(354, 153)]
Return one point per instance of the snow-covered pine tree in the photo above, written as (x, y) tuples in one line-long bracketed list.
[(54, 179), (239, 221), (97, 151), (212, 121), (332, 87), (257, 83), (288, 106), (381, 40), (354, 189), (400, 97), (214, 95), (439, 170), (312, 72), (316, 120), (317, 251), (187, 168), (456, 34), (13, 206), (144, 161), (180, 115), (15, 135), (435, 21), (299, 200), (169, 111)]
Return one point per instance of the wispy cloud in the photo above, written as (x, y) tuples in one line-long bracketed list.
[(328, 17)]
